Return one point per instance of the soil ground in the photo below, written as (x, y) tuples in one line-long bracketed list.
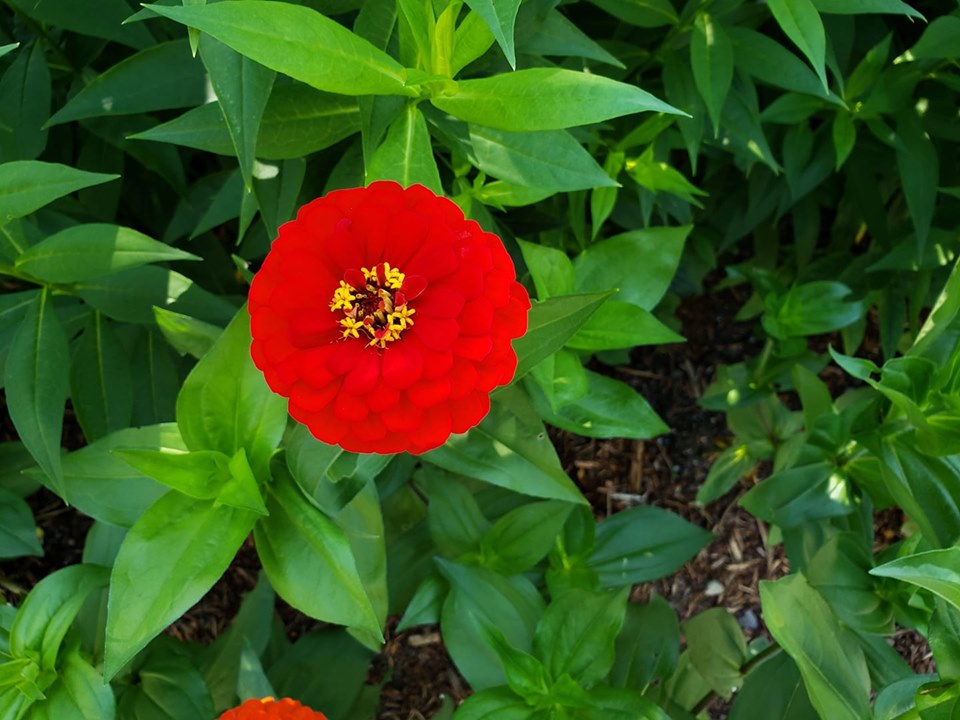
[(613, 474)]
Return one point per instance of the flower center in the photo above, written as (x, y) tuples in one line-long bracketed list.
[(375, 302)]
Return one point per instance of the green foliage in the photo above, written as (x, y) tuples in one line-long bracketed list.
[(629, 154)]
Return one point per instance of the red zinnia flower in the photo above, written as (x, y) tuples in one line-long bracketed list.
[(270, 709), (386, 318)]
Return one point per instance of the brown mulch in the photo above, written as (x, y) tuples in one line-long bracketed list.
[(613, 474)]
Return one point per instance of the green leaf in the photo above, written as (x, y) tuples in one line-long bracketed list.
[(539, 99), (773, 688), (100, 380), (298, 120), (547, 160), (478, 599), (83, 252), (104, 487), (496, 704), (303, 671), (243, 89), (550, 268), (25, 104), (28, 185), (471, 40), (252, 628), (642, 544), (225, 403), (944, 639), (725, 472), (844, 137), (770, 62), (523, 537), (859, 7), (936, 570), (456, 522), (609, 408), (106, 22), (945, 309), (171, 556), (169, 687), (648, 645), (939, 39), (711, 58), (47, 613), (159, 78), (79, 693), (18, 532), (510, 449), (298, 42), (918, 162), (717, 649), (199, 474), (406, 154), (640, 263), (36, 380), (618, 324), (301, 550), (801, 22), (811, 308), (500, 16), (130, 295), (550, 324), (577, 632), (186, 334), (829, 658), (642, 13), (526, 675), (551, 33)]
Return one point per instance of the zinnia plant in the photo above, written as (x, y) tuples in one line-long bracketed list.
[(386, 318), (270, 709)]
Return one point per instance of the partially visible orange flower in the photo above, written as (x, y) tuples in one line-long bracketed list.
[(270, 709)]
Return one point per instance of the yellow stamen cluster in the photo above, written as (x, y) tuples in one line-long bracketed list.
[(377, 309)]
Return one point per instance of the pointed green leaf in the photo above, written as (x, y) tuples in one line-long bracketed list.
[(577, 632), (547, 160), (829, 657), (130, 295), (159, 78), (302, 550), (936, 570), (78, 693), (406, 154), (106, 22), (25, 104), (243, 89), (918, 162), (539, 99), (225, 403), (36, 380), (298, 120), (801, 22), (509, 449), (298, 42), (18, 531), (171, 556), (500, 16), (100, 380), (550, 324), (28, 185), (860, 7), (642, 544), (84, 252), (711, 57)]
